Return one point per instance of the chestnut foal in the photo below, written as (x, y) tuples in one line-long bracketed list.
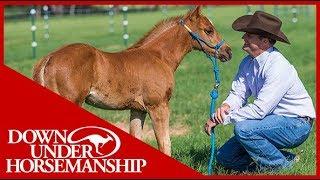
[(140, 78)]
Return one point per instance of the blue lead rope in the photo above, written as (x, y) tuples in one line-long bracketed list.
[(214, 92), (214, 96)]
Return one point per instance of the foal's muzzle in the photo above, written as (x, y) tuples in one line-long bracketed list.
[(225, 53)]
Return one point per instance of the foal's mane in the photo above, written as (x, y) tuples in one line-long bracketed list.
[(157, 30)]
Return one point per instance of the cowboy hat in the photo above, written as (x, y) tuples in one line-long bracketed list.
[(261, 23)]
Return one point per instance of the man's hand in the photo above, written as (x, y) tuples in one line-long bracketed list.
[(209, 125), (221, 112)]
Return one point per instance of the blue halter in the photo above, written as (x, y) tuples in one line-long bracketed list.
[(214, 92)]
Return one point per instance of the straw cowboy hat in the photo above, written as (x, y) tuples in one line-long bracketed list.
[(261, 23)]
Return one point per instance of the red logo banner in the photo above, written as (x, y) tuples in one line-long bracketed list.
[(43, 135)]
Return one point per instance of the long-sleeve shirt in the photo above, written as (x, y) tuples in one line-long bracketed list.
[(275, 86)]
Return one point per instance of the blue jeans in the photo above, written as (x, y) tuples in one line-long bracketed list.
[(257, 143)]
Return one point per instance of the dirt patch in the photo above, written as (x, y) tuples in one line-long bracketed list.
[(148, 134)]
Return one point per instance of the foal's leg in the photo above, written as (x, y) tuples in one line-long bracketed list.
[(136, 123), (160, 120)]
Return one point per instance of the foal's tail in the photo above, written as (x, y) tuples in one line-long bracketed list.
[(39, 70)]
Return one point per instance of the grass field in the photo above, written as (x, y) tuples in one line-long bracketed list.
[(190, 101)]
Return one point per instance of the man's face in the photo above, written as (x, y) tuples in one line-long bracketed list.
[(252, 44)]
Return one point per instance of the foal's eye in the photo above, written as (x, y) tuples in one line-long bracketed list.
[(208, 31)]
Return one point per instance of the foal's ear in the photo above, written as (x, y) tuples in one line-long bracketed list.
[(195, 14)]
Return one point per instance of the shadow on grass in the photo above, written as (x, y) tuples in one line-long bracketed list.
[(199, 157)]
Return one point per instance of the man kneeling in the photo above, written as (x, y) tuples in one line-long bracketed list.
[(282, 112)]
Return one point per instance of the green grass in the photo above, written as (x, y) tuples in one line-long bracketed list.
[(189, 104)]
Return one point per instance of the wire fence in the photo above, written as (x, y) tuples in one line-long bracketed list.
[(47, 11), (22, 12)]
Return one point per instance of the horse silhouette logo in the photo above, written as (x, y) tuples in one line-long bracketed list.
[(97, 140)]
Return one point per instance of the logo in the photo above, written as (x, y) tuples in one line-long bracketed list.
[(97, 140), (83, 150)]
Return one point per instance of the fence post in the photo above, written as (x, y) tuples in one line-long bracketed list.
[(125, 25), (308, 11), (294, 14), (249, 12), (46, 21), (33, 31), (165, 10), (111, 20), (276, 10)]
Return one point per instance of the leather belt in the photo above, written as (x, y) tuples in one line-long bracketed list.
[(308, 119)]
